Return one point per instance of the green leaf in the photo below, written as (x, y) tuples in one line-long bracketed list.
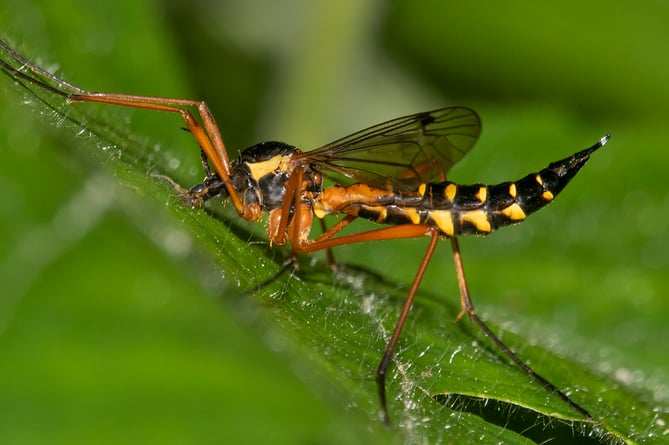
[(125, 316)]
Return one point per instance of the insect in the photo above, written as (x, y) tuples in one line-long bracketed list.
[(393, 174)]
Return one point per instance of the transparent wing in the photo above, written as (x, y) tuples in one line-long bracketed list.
[(401, 153)]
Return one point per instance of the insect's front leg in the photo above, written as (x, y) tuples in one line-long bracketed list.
[(296, 230), (197, 195)]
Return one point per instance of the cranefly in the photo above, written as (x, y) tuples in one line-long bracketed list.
[(392, 173)]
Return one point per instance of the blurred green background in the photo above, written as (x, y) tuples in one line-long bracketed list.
[(111, 325)]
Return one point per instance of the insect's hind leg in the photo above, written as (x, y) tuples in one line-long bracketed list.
[(331, 232), (382, 369), (468, 309)]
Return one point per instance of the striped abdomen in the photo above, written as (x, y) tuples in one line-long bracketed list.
[(472, 209)]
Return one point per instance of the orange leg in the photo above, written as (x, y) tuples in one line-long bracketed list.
[(209, 139), (63, 88), (328, 252), (329, 233), (386, 233), (382, 369), (468, 308), (332, 231), (326, 241)]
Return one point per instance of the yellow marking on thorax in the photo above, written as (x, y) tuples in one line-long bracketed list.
[(412, 214), (479, 218), (444, 220), (421, 189), (514, 212), (512, 190), (270, 166), (451, 190), (482, 194)]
